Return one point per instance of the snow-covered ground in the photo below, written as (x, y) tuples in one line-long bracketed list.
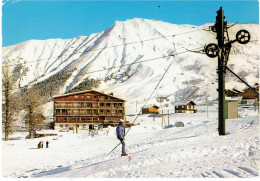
[(194, 150)]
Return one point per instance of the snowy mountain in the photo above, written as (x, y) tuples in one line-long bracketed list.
[(112, 57)]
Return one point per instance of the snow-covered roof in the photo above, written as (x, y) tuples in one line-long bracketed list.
[(231, 99), (47, 132), (85, 91), (151, 105), (183, 103)]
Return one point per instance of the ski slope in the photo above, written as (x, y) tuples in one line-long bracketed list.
[(194, 150)]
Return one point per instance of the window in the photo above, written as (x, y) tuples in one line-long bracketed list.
[(89, 97), (61, 125), (75, 104), (66, 125), (76, 96), (75, 111), (82, 96)]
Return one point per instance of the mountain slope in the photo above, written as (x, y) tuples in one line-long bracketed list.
[(191, 75)]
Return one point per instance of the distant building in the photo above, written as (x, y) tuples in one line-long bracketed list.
[(185, 107), (249, 94), (233, 93), (150, 109), (87, 110), (249, 97)]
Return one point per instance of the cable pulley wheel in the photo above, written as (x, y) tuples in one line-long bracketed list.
[(211, 50), (243, 36)]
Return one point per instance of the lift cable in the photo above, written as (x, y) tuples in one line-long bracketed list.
[(144, 61), (114, 46), (144, 105)]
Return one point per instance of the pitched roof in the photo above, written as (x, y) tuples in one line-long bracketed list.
[(183, 103), (86, 91), (151, 105)]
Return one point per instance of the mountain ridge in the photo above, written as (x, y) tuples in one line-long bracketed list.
[(125, 44)]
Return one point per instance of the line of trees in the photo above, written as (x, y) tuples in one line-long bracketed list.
[(16, 99)]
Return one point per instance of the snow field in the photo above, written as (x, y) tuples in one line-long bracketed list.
[(195, 150)]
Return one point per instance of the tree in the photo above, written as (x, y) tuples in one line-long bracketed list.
[(31, 100), (7, 102)]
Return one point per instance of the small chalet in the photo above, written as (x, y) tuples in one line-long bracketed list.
[(87, 110), (249, 97), (150, 109), (185, 107), (233, 93)]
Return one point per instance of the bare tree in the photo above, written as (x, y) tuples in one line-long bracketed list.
[(31, 101), (7, 102), (10, 77)]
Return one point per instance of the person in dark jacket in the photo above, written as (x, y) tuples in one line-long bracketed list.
[(47, 144), (120, 132)]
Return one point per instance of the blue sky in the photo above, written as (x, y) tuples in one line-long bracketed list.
[(26, 20)]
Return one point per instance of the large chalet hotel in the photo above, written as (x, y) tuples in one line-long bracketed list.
[(87, 109)]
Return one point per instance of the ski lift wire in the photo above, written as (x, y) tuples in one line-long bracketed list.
[(144, 61), (143, 106), (114, 46)]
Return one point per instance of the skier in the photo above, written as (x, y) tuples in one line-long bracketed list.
[(120, 132), (47, 144)]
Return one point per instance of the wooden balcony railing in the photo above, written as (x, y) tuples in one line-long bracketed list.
[(88, 107), (90, 114)]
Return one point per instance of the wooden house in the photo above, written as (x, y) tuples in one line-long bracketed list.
[(233, 93), (87, 110), (249, 97), (249, 94), (150, 109), (185, 107)]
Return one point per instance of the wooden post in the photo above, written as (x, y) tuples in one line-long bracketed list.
[(77, 125), (162, 118), (168, 117), (73, 124)]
